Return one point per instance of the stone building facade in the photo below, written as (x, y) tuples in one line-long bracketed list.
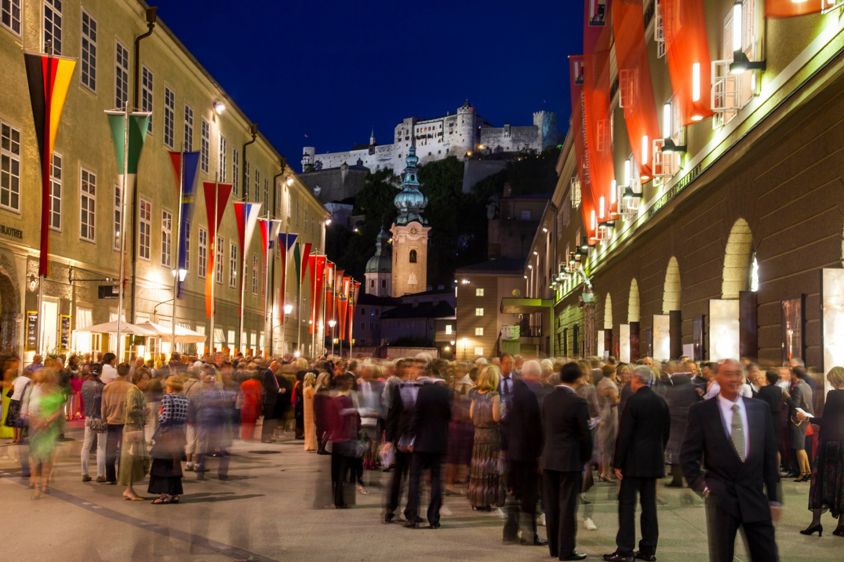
[(456, 134), (189, 111), (739, 252)]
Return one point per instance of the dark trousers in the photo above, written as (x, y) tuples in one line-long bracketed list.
[(268, 428), (722, 527), (522, 493), (625, 539), (400, 469), (418, 463), (561, 490), (340, 465), (114, 435)]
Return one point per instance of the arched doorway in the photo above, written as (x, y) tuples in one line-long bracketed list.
[(633, 302), (628, 334), (732, 318), (668, 326), (671, 288), (737, 257), (608, 333), (9, 313)]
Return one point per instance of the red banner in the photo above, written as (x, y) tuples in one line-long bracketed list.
[(687, 52), (634, 83), (316, 298), (578, 128), (216, 195), (789, 8)]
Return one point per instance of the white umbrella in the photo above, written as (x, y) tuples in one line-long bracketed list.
[(183, 335), (125, 328)]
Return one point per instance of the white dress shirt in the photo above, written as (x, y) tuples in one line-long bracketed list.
[(108, 374), (726, 407)]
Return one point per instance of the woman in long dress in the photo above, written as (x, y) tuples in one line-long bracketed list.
[(309, 389), (133, 449), (607, 391), (486, 488), (44, 408), (827, 488), (168, 450)]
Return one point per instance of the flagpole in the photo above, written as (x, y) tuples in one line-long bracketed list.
[(178, 244), (299, 313), (213, 257), (123, 191), (268, 326), (239, 338), (284, 290)]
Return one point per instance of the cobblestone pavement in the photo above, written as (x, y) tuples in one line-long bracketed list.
[(274, 508)]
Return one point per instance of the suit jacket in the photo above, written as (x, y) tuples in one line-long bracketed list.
[(772, 395), (735, 486), (400, 416), (567, 443), (642, 436), (524, 425), (430, 419)]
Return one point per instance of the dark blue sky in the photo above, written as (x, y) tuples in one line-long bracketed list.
[(334, 69)]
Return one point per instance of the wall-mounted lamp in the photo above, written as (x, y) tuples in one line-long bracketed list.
[(740, 62), (219, 107)]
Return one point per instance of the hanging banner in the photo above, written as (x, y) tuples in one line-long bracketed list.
[(316, 301), (578, 124), (330, 267), (634, 84), (285, 242), (353, 298), (344, 305), (689, 64), (790, 8), (246, 216), (185, 165), (216, 195), (303, 268), (48, 78)]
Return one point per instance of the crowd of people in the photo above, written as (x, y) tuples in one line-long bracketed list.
[(524, 439)]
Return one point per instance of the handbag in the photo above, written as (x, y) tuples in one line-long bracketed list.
[(97, 424)]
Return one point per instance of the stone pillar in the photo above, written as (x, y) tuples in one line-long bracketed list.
[(590, 329)]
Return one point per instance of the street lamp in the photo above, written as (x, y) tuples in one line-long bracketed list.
[(287, 309), (331, 324)]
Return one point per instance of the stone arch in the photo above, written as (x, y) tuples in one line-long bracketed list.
[(633, 302), (9, 307), (608, 312), (671, 290), (737, 257)]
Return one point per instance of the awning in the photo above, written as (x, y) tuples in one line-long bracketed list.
[(517, 305), (125, 328), (183, 335)]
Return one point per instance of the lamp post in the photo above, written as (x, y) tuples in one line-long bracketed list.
[(288, 308), (331, 324), (178, 277)]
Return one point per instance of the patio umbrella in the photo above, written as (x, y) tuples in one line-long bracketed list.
[(183, 335)]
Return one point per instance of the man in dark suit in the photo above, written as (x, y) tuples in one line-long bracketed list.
[(524, 445), (398, 430), (277, 392), (567, 447), (735, 437), (429, 427), (639, 460)]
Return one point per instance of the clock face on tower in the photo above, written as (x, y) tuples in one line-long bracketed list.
[(413, 230)]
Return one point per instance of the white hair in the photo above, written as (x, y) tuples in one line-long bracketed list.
[(644, 374), (532, 366)]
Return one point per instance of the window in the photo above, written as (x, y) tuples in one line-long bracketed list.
[(266, 193), (218, 260), (202, 251), (412, 256), (87, 204), (145, 229), (53, 27), (479, 311), (121, 76), (169, 117), (117, 214), (204, 145), (257, 182), (10, 167), (235, 170), (56, 193), (383, 283), (166, 238), (10, 15), (233, 265), (187, 139), (479, 292), (222, 156), (479, 351), (255, 285), (186, 256), (89, 51), (146, 94), (479, 331), (449, 329)]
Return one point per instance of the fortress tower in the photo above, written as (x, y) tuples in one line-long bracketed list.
[(410, 234)]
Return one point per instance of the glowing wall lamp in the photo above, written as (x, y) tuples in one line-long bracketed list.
[(740, 62), (667, 129), (696, 89)]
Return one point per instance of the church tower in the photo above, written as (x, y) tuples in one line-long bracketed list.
[(410, 233), (378, 272)]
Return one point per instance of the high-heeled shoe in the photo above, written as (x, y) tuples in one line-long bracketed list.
[(803, 478), (812, 529)]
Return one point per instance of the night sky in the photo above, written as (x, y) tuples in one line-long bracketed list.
[(325, 72)]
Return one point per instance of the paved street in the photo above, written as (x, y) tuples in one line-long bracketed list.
[(267, 511)]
